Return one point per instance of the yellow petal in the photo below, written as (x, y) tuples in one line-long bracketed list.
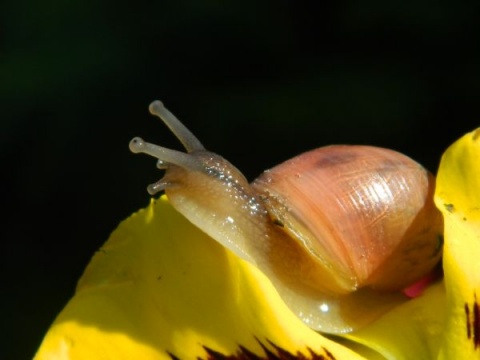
[(160, 287), (413, 330), (458, 197)]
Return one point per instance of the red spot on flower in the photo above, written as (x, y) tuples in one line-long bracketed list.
[(417, 288)]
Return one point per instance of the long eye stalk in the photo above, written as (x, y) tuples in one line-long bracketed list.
[(164, 155), (189, 141)]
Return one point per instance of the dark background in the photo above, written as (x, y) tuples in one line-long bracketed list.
[(257, 82)]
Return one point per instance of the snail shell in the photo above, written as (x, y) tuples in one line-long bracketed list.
[(357, 208), (339, 230)]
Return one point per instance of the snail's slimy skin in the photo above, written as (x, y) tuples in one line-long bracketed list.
[(339, 230)]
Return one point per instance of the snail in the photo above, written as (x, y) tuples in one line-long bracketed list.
[(339, 230)]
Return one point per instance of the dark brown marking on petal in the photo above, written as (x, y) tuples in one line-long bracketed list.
[(214, 355), (329, 354), (467, 316), (271, 351), (472, 315), (270, 355), (281, 353), (248, 353), (476, 323), (173, 357)]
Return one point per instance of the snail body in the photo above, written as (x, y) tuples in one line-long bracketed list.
[(339, 230)]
